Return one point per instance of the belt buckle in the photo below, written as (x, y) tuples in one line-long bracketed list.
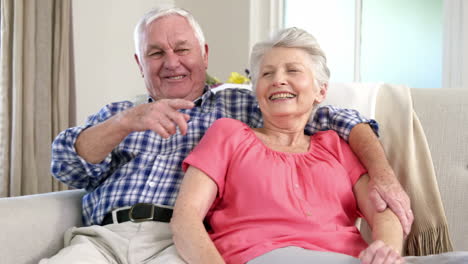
[(141, 219)]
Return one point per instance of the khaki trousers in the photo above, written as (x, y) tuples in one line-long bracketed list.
[(126, 243)]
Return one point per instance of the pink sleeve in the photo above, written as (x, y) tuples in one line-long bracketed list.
[(351, 162), (343, 153), (213, 153)]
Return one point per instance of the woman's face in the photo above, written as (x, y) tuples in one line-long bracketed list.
[(286, 85)]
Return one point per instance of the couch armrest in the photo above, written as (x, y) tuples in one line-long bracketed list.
[(33, 225)]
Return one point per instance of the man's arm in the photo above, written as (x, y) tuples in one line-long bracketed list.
[(384, 188), (96, 142), (387, 233), (79, 154)]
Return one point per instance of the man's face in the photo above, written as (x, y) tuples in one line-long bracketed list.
[(171, 60)]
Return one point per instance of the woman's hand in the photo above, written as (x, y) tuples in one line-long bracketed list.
[(380, 253)]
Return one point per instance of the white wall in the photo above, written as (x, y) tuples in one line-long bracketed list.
[(103, 42), (226, 27)]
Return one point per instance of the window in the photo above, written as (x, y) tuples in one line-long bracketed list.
[(394, 41)]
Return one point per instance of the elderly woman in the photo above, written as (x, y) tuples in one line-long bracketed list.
[(275, 194)]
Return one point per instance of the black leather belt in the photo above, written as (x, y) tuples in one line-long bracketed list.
[(140, 212)]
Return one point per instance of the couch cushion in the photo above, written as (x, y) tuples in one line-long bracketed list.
[(442, 113), (33, 225)]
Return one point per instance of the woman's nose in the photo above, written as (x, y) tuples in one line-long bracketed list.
[(279, 80)]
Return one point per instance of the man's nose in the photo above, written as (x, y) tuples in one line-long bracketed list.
[(171, 61)]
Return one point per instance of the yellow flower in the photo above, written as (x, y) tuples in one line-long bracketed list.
[(238, 78)]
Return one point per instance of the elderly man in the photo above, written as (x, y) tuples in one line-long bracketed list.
[(128, 157)]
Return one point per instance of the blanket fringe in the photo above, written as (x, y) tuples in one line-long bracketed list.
[(434, 240)]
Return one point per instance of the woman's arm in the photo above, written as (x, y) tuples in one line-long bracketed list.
[(383, 186), (387, 231), (197, 194)]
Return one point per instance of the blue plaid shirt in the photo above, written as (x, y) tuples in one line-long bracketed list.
[(145, 168)]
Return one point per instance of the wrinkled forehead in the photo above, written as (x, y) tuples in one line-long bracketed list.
[(168, 32), (285, 56)]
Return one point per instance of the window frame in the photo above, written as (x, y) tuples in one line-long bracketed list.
[(267, 17)]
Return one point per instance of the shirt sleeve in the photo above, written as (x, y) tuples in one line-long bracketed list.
[(338, 119), (68, 167), (343, 153), (214, 152)]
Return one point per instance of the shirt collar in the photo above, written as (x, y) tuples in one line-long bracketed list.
[(198, 102)]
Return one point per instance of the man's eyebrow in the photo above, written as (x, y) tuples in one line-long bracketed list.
[(181, 43), (157, 47), (153, 47)]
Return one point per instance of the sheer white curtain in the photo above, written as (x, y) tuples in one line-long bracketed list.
[(36, 80), (455, 70)]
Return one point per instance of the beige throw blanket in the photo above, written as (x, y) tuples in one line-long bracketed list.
[(407, 150)]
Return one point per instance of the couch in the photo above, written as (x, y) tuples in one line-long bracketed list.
[(33, 225)]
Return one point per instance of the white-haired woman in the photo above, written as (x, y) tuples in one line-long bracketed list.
[(275, 194)]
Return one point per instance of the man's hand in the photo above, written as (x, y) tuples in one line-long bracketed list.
[(387, 192), (384, 188), (161, 116), (96, 142)]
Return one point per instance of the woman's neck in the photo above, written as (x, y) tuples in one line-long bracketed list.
[(286, 135)]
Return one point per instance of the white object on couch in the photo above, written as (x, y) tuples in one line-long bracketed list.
[(358, 96)]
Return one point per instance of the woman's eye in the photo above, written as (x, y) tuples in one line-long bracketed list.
[(266, 73)]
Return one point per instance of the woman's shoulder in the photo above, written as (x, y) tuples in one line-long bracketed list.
[(326, 135), (228, 128), (328, 139), (226, 123), (226, 132)]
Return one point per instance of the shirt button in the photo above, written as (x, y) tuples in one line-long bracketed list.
[(152, 184), (308, 213), (296, 185)]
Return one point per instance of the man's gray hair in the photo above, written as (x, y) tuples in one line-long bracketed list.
[(292, 38), (156, 13)]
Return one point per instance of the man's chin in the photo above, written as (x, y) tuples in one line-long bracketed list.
[(187, 95), (181, 90)]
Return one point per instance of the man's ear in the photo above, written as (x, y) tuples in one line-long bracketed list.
[(139, 64), (205, 58)]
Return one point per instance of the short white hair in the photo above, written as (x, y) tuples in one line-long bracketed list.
[(156, 13), (292, 38)]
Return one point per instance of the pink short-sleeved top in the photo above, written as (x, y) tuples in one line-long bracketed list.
[(269, 199)]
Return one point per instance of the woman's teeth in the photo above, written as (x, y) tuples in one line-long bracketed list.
[(281, 96)]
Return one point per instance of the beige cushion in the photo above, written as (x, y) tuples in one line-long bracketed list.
[(33, 225), (444, 116)]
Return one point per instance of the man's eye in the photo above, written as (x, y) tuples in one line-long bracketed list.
[(156, 54), (182, 51), (266, 73), (293, 70)]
